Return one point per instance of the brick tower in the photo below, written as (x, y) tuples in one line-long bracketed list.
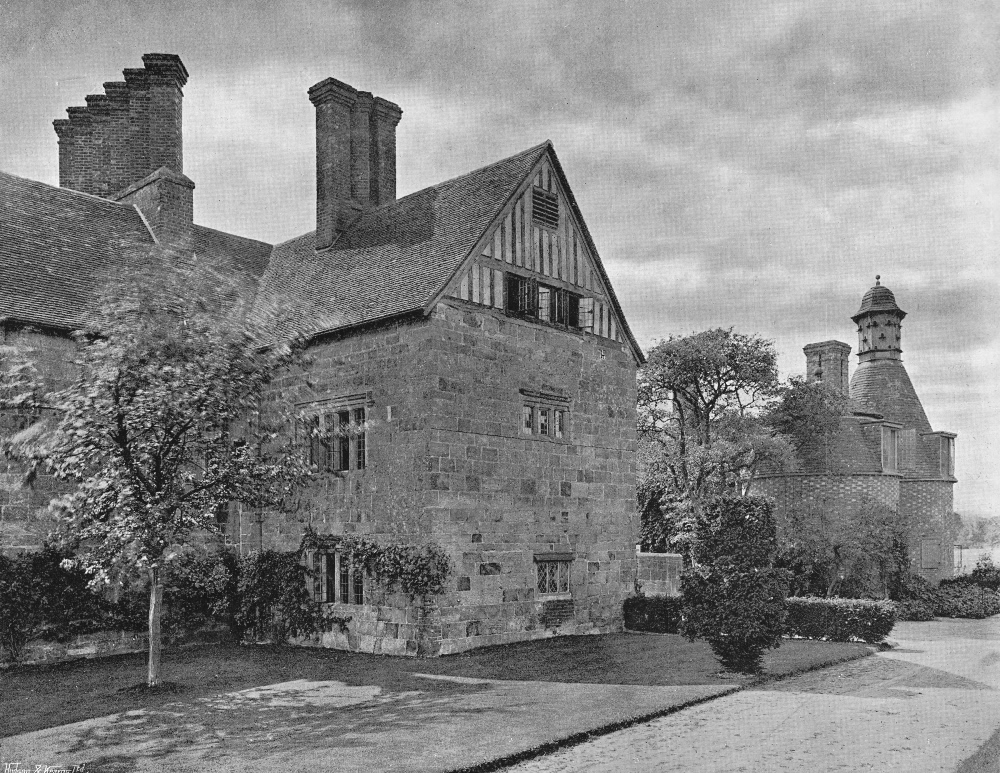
[(885, 450)]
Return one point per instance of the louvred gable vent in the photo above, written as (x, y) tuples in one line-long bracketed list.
[(545, 208)]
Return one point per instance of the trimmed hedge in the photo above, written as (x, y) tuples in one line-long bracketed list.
[(808, 617), (965, 599), (840, 619), (655, 614), (966, 596)]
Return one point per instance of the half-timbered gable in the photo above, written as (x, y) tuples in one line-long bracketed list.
[(537, 261)]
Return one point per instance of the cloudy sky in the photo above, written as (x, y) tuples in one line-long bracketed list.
[(739, 164)]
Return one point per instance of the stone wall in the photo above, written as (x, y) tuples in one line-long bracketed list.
[(25, 520), (91, 645), (448, 463), (659, 574)]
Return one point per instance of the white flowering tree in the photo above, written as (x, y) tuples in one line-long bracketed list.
[(172, 418)]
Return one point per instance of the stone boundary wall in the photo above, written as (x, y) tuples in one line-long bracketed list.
[(659, 574), (89, 645)]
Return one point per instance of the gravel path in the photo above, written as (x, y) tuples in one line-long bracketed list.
[(925, 706)]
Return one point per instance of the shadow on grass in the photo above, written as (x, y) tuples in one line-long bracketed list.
[(45, 696), (296, 719)]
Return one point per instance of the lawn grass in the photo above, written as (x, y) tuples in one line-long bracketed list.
[(36, 697)]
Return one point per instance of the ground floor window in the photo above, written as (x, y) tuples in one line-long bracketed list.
[(552, 575), (334, 579)]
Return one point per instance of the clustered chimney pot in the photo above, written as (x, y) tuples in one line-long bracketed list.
[(355, 155), (128, 132)]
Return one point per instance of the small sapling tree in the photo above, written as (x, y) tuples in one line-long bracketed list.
[(171, 419)]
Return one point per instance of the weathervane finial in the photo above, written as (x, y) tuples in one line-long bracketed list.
[(877, 277)]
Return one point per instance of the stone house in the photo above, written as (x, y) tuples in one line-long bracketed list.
[(885, 450), (472, 376)]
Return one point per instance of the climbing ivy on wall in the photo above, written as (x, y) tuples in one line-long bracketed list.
[(416, 570)]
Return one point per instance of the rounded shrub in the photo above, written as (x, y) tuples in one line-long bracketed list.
[(733, 597)]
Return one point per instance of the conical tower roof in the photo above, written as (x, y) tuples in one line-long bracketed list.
[(881, 384)]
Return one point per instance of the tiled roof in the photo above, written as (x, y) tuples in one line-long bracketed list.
[(878, 298), (394, 259), (58, 248), (883, 386)]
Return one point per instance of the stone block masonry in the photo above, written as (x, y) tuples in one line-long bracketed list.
[(449, 461), (659, 574)]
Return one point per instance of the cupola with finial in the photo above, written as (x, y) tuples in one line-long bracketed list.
[(880, 323)]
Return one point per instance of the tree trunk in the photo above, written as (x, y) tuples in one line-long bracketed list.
[(155, 611)]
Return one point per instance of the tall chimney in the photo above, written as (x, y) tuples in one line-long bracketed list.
[(167, 77), (128, 132), (355, 155), (827, 362), (385, 118)]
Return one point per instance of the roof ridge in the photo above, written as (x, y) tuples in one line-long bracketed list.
[(235, 236), (533, 149), (528, 151)]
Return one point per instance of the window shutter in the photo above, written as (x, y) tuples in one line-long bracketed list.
[(586, 314), (572, 310), (529, 297)]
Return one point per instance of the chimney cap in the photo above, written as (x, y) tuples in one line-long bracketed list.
[(332, 90), (386, 109), (826, 346), (166, 66)]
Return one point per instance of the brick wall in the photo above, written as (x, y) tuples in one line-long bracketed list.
[(453, 466), (836, 495), (925, 504), (928, 506)]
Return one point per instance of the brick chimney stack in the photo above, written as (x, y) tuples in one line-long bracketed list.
[(355, 155), (827, 362), (128, 132)]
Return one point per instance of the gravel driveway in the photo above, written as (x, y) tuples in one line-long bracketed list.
[(927, 705)]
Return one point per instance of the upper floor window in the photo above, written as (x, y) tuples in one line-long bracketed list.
[(890, 449), (947, 456), (530, 298), (337, 438), (545, 415)]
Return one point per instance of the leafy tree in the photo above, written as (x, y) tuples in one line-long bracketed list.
[(19, 390), (701, 402), (733, 596), (172, 418), (862, 553), (806, 413)]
